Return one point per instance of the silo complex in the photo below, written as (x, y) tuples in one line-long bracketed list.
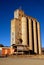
[(25, 30)]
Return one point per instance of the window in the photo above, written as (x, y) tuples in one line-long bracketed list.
[(22, 15)]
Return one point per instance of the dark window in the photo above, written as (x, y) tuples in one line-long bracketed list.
[(19, 14), (22, 15)]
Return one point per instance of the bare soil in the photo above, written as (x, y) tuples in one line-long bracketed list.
[(23, 60)]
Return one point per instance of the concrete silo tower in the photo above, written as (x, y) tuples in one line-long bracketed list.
[(25, 31)]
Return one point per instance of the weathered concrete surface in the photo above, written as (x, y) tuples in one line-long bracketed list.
[(22, 60)]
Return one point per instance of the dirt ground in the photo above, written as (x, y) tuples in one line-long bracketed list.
[(22, 60)]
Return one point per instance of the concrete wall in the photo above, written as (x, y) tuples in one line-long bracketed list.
[(24, 30), (18, 14), (19, 30), (35, 36), (30, 34), (39, 40)]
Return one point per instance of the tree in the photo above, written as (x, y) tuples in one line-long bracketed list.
[(1, 45)]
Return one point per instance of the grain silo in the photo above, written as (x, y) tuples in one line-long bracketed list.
[(24, 30)]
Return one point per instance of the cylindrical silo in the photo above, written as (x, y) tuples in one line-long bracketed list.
[(35, 36), (24, 30), (39, 43), (30, 34)]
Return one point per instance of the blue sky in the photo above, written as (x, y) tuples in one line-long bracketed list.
[(34, 8)]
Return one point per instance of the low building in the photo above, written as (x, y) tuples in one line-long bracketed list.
[(6, 51)]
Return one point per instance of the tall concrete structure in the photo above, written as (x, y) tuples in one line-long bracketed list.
[(25, 30)]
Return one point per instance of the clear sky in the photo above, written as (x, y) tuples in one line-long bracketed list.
[(34, 8)]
